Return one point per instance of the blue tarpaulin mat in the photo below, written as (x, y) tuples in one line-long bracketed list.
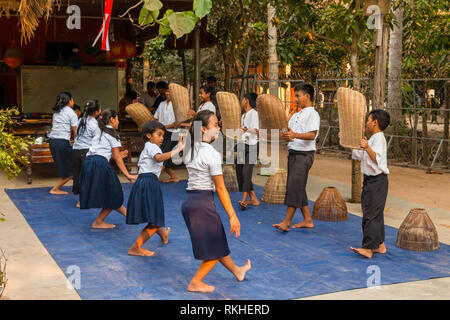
[(299, 263)]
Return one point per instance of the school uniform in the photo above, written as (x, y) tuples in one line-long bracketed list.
[(208, 238), (146, 204), (166, 116), (375, 190), (81, 146), (247, 151), (99, 185), (207, 106), (301, 156), (60, 148)]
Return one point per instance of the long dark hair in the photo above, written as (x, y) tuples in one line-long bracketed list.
[(103, 120), (62, 100), (91, 107), (202, 116)]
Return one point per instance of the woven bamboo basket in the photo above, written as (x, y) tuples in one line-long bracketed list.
[(180, 101), (139, 113), (230, 110), (229, 177), (352, 115), (272, 115), (417, 232), (330, 206)]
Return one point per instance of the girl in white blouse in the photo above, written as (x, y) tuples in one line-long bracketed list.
[(64, 125), (209, 242), (206, 104)]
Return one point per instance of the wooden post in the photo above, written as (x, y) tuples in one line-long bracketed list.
[(446, 124), (196, 65)]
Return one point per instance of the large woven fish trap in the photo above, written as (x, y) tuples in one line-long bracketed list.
[(352, 115), (230, 110), (139, 113), (330, 206), (180, 101)]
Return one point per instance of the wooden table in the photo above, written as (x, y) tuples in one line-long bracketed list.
[(37, 153)]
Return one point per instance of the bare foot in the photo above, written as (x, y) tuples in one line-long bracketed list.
[(381, 249), (200, 287), (102, 225), (78, 204), (242, 205), (254, 202), (304, 224), (364, 252), (58, 191), (136, 251), (281, 226), (240, 275), (174, 180), (164, 234)]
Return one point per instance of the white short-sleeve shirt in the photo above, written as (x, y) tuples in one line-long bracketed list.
[(62, 123), (83, 140), (207, 162), (102, 144), (250, 120), (377, 143), (147, 99), (146, 162), (306, 120), (166, 115), (207, 106)]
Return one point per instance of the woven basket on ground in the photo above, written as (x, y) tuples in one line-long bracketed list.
[(330, 206), (417, 232), (229, 177), (275, 188), (139, 113), (180, 101), (352, 115), (230, 110)]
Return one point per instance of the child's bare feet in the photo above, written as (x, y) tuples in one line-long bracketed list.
[(200, 287), (242, 205), (283, 226), (58, 191), (164, 234), (136, 251), (78, 204), (102, 225), (304, 224), (381, 249), (240, 275), (364, 252), (254, 202)]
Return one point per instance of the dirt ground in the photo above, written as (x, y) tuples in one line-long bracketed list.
[(410, 184)]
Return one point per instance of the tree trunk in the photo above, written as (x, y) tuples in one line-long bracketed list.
[(272, 48), (184, 66), (395, 74), (446, 124), (425, 148)]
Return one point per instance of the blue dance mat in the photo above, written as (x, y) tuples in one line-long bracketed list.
[(296, 264)]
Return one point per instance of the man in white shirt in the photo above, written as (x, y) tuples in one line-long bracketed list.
[(302, 132), (148, 97), (373, 158)]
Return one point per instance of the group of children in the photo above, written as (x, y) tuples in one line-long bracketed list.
[(97, 141)]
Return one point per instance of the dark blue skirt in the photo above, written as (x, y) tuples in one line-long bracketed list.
[(145, 204), (99, 185), (208, 238), (61, 151)]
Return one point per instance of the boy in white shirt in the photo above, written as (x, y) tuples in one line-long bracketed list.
[(302, 133), (373, 158)]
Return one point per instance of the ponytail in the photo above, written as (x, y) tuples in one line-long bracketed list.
[(202, 116), (90, 108), (62, 100), (103, 120)]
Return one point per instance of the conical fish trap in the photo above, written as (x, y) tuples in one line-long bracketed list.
[(272, 115), (230, 110), (180, 101), (139, 113), (352, 115), (229, 177), (417, 232), (330, 206), (275, 188)]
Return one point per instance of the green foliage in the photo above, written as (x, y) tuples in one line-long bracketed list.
[(11, 146), (202, 7)]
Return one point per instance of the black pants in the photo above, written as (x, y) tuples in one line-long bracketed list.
[(299, 163), (168, 145), (247, 155), (373, 200), (78, 156)]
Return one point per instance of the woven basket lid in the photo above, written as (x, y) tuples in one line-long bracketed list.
[(272, 114), (180, 101), (230, 110), (352, 115), (139, 113)]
